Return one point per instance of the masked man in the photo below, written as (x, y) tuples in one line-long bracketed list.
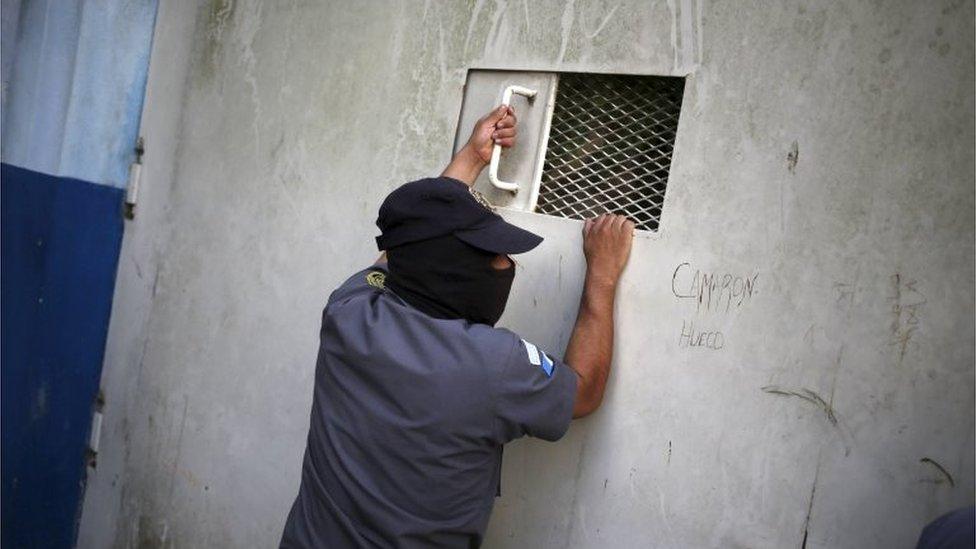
[(416, 391)]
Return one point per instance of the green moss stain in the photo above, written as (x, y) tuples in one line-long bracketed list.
[(219, 15)]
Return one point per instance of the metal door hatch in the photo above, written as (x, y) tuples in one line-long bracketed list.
[(588, 143)]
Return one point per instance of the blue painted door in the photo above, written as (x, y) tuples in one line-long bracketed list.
[(74, 82)]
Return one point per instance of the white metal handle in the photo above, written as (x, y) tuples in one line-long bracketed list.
[(496, 151)]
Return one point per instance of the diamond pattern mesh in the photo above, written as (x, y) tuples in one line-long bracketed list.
[(610, 146)]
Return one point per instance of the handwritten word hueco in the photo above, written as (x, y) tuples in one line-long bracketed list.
[(690, 337)]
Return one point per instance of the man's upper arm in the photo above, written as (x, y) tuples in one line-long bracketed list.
[(534, 394)]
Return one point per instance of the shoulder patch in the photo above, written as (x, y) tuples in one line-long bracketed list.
[(532, 351), (547, 364), (376, 279), (538, 358)]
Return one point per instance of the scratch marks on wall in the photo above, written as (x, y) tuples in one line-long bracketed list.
[(825, 406), (525, 14), (574, 505), (179, 450), (497, 30), (672, 7), (566, 26), (836, 372), (845, 292), (945, 476), (793, 157), (441, 53), (806, 395), (475, 12), (218, 19), (603, 23), (288, 157), (813, 493), (231, 30), (567, 34), (685, 35), (426, 53), (906, 304), (499, 33), (246, 31)]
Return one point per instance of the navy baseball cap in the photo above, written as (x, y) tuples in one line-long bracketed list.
[(439, 206)]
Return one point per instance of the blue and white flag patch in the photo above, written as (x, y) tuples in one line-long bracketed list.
[(538, 358), (532, 351), (547, 364)]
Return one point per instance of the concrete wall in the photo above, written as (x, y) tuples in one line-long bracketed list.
[(825, 151)]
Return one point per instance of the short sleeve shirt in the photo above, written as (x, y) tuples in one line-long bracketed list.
[(409, 417)]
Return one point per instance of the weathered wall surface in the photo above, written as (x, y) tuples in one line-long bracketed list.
[(825, 154)]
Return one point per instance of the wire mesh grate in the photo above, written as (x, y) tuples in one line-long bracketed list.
[(610, 146)]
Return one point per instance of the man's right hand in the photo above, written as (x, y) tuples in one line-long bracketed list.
[(606, 245), (498, 127)]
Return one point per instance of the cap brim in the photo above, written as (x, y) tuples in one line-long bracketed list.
[(500, 237)]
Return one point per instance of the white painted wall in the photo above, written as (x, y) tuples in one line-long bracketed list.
[(278, 131)]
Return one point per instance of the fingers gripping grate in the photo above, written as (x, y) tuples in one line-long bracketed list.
[(610, 146)]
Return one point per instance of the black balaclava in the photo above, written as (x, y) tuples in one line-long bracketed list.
[(446, 278)]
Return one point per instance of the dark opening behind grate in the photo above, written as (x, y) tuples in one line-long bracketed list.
[(610, 146)]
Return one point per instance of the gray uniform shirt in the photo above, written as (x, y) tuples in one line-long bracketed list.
[(409, 417)]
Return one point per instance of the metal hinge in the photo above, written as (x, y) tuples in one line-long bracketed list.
[(135, 175), (91, 455)]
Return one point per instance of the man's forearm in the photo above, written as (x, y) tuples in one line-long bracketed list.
[(466, 166), (590, 348)]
